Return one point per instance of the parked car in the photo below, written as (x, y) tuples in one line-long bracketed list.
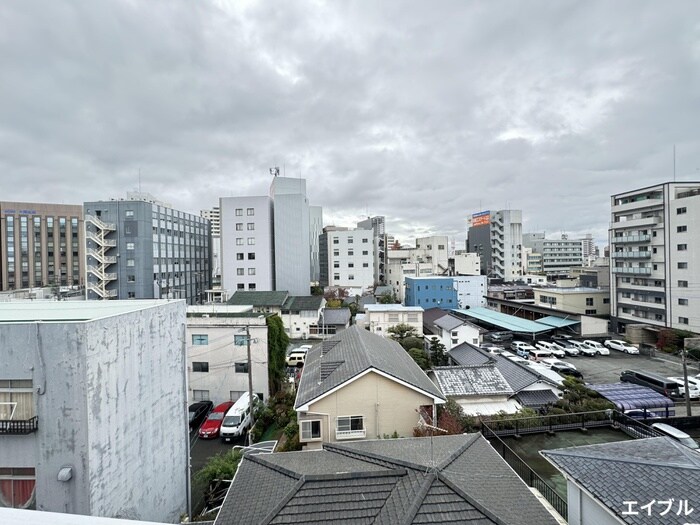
[(537, 354), (237, 419), (561, 337), (567, 347), (491, 349), (552, 348), (198, 411), (595, 345), (499, 337), (296, 357), (693, 387), (551, 361), (567, 371), (522, 348), (622, 346), (662, 385), (210, 428), (583, 348)]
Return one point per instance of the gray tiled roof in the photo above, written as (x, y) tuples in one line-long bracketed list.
[(475, 380), (383, 482), (296, 303), (258, 298), (536, 398), (450, 322), (351, 352), (517, 375), (336, 316), (641, 470), (430, 316)]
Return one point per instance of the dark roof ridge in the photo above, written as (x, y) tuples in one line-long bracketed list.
[(371, 457), (356, 475), (694, 462), (257, 458), (419, 498), (283, 502), (478, 506), (460, 450)]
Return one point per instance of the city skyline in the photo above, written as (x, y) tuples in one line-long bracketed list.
[(424, 114)]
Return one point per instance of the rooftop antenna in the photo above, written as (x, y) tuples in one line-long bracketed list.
[(432, 466), (275, 172)]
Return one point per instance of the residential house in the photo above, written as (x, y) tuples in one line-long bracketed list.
[(453, 331), (93, 416), (334, 320), (445, 479), (379, 318), (648, 481), (359, 385), (217, 352)]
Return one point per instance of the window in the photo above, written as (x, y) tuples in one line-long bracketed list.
[(336, 276), (251, 286), (240, 271), (239, 241), (681, 229), (251, 271), (683, 302), (365, 265), (336, 253), (335, 240), (200, 339), (683, 320), (589, 301), (681, 211), (351, 277), (311, 430), (18, 486), (131, 295), (441, 246), (239, 226), (251, 241), (129, 245), (590, 312), (240, 286), (606, 300), (351, 252), (251, 256), (17, 401), (365, 252), (130, 262), (682, 284), (352, 424), (682, 247), (242, 368), (250, 212), (239, 212), (682, 265), (234, 395), (251, 226), (239, 256), (130, 278), (200, 395), (351, 265), (129, 213), (364, 241), (200, 366)]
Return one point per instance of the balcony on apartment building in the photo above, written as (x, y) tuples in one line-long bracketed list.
[(17, 413), (631, 239), (637, 204), (18, 427), (632, 254), (631, 270), (636, 221), (644, 303)]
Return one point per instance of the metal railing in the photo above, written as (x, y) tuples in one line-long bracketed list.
[(23, 426), (350, 434), (540, 424)]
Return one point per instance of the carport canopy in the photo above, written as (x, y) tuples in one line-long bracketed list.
[(507, 322), (628, 396), (557, 322)]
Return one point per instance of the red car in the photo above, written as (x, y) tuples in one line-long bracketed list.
[(210, 427)]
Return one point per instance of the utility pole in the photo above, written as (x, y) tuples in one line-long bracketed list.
[(685, 376), (250, 384)]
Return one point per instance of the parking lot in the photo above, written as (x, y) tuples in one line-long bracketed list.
[(607, 368)]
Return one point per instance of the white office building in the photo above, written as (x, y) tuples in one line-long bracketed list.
[(556, 257), (351, 256), (655, 257)]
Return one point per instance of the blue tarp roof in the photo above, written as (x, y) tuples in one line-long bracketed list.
[(505, 321), (557, 322), (628, 396)]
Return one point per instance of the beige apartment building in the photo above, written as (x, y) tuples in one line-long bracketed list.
[(41, 244), (578, 300)]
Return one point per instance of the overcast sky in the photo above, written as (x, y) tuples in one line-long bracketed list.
[(424, 112)]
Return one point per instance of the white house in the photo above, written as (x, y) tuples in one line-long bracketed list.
[(379, 318)]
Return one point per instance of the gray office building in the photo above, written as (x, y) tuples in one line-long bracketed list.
[(140, 248)]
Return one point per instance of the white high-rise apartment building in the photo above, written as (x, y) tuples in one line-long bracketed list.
[(351, 258), (558, 256), (246, 244), (506, 244), (292, 246), (654, 263)]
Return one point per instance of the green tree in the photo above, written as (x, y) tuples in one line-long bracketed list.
[(438, 357), (401, 331), (277, 343), (419, 357), (317, 290), (579, 398), (387, 298), (412, 342)]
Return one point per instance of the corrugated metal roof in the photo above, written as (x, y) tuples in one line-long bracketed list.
[(557, 322), (505, 321)]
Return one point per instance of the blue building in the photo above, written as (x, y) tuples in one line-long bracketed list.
[(431, 292)]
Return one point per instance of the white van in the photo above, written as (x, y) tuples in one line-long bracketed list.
[(296, 357), (538, 354), (551, 348), (237, 420)]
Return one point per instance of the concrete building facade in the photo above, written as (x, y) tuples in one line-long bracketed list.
[(246, 244), (217, 353), (378, 318), (41, 245), (466, 263), (214, 218), (377, 225), (140, 248), (315, 230), (654, 261), (351, 259), (93, 407), (506, 244), (557, 256), (578, 300)]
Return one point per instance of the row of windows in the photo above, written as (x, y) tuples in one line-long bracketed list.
[(351, 253), (250, 227), (349, 240), (234, 395), (311, 430), (241, 286), (203, 366), (336, 264), (239, 241), (240, 256), (249, 212), (241, 271), (336, 277)]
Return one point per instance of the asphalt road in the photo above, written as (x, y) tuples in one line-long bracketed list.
[(607, 368), (202, 449)]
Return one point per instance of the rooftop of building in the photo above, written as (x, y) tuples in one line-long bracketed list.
[(474, 380), (571, 289), (257, 299), (392, 308), (72, 311)]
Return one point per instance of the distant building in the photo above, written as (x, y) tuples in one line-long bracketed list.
[(579, 300), (93, 408), (446, 292), (217, 353), (655, 257), (497, 237), (381, 245), (557, 256), (466, 263), (41, 244), (315, 230), (140, 248), (378, 318), (214, 218), (351, 259)]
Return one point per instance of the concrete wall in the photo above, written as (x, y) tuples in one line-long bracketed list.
[(471, 290), (584, 510), (112, 405), (386, 406)]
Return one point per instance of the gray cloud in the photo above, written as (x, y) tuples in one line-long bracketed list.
[(419, 111)]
